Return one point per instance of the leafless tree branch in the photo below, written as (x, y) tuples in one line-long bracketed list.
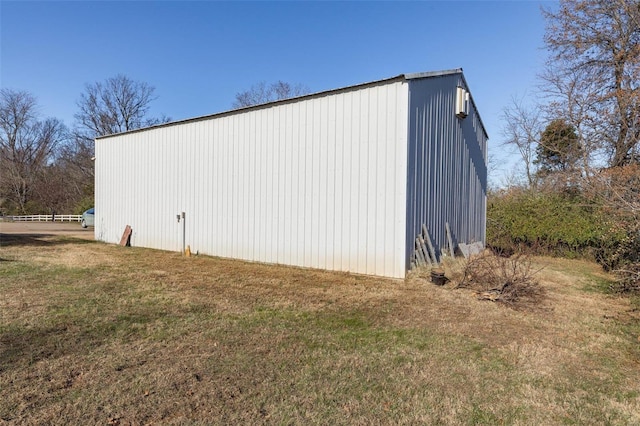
[(262, 92)]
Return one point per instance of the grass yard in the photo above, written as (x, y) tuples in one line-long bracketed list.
[(99, 334)]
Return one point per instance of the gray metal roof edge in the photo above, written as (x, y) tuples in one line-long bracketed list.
[(400, 77), (416, 75)]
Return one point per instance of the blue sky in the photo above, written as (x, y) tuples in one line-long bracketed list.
[(199, 54)]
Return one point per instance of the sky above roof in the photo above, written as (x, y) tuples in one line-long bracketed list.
[(199, 54)]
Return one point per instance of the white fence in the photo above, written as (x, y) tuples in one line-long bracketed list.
[(46, 218)]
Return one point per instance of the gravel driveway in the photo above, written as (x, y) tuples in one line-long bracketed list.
[(71, 229)]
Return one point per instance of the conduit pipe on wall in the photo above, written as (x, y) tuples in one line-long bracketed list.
[(181, 216)]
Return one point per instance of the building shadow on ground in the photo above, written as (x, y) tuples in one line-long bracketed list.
[(43, 239)]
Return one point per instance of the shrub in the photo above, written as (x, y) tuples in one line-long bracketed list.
[(509, 280), (596, 217), (617, 191), (547, 223)]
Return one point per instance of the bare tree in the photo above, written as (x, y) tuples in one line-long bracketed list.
[(52, 191), (262, 92), (27, 145), (522, 129), (593, 75), (118, 104), (571, 99)]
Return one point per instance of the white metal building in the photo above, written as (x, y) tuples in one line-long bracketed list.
[(340, 180)]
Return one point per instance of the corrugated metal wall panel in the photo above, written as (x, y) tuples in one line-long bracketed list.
[(447, 172), (319, 182)]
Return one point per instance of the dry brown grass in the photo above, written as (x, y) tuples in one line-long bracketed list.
[(99, 334)]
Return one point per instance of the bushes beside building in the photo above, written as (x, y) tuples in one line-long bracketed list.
[(545, 223), (597, 220)]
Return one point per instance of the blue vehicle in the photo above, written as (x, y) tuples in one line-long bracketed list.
[(88, 218)]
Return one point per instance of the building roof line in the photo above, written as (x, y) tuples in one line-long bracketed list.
[(401, 77), (428, 74)]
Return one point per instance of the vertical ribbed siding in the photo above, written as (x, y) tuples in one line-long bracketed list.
[(447, 172), (318, 182)]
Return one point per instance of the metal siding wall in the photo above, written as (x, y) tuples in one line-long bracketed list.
[(317, 183), (447, 173)]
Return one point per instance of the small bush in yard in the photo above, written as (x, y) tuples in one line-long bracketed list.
[(509, 280)]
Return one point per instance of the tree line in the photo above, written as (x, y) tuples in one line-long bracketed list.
[(579, 143), (48, 167)]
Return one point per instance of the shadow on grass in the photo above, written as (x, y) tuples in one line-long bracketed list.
[(42, 240), (27, 346), (20, 346)]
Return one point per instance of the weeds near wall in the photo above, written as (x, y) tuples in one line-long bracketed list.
[(508, 280)]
